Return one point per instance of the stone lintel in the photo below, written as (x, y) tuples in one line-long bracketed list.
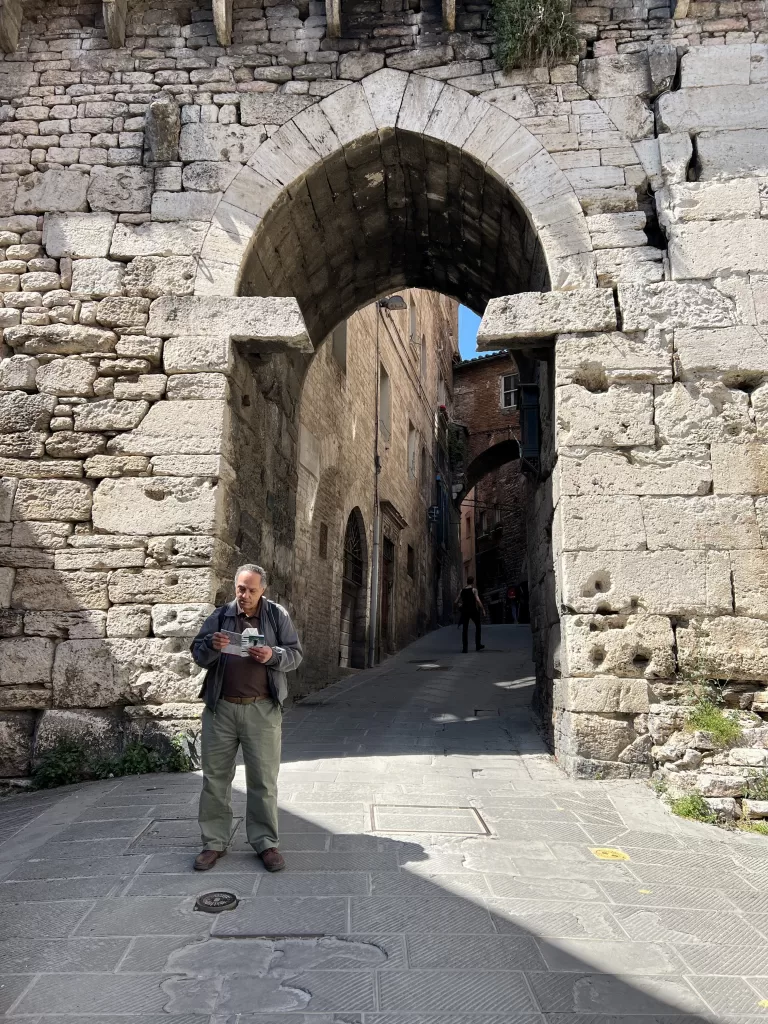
[(263, 324), (519, 321), (115, 13)]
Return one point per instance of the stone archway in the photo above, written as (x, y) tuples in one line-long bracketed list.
[(492, 458)]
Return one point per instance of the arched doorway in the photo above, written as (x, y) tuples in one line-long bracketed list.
[(353, 594)]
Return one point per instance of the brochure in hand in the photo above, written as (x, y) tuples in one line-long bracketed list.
[(240, 643)]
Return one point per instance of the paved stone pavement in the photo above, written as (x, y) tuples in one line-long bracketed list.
[(440, 872)]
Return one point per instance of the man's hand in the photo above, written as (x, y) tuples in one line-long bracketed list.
[(219, 641), (260, 654)]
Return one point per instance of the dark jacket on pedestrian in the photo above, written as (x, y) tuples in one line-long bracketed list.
[(279, 634)]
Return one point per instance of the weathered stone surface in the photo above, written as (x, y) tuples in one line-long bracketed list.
[(138, 346), (40, 535), (669, 305), (631, 115), (25, 661), (750, 583), (193, 465), (174, 206), (734, 354), (219, 142), (179, 619), (608, 522), (25, 444), (69, 376), (198, 385), (209, 176), (702, 413), (732, 154), (617, 645), (596, 361), (543, 314), (18, 373), (122, 312), (754, 809), (152, 276), (745, 757), (97, 277), (198, 354), (152, 586), (68, 444), (625, 74), (156, 505), (84, 625), (24, 558), (714, 65), (622, 416), (709, 200), (7, 491), (60, 339), (78, 235), (178, 428), (100, 733), (16, 731), (129, 620), (68, 500), (109, 414), (162, 128), (724, 648), (659, 582), (120, 189), (594, 736), (739, 468), (714, 107), (100, 466), (270, 324), (269, 108), (671, 469), (52, 191), (103, 559), (178, 239), (50, 590), (7, 576), (602, 694), (20, 411), (149, 387), (721, 785), (700, 522), (708, 249)]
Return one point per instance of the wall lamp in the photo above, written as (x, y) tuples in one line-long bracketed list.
[(393, 302)]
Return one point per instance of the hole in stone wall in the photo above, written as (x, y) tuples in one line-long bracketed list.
[(641, 660), (598, 655)]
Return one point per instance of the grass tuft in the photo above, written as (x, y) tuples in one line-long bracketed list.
[(68, 762), (707, 716), (693, 806), (533, 32)]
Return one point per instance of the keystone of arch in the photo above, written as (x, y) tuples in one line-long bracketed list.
[(391, 100)]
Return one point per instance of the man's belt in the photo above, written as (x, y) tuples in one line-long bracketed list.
[(244, 700)]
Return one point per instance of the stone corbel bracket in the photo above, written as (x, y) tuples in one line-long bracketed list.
[(524, 320), (222, 21), (10, 24), (258, 324), (115, 15)]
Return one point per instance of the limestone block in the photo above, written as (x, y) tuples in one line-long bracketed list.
[(638, 265), (20, 411), (617, 230), (137, 346), (52, 192), (24, 698), (669, 305), (659, 582), (724, 648), (606, 522), (103, 559), (152, 276), (542, 314), (50, 590), (199, 354), (84, 625), (198, 385), (260, 108), (68, 500), (621, 416), (7, 577), (109, 414), (750, 583), (149, 387), (232, 142), (153, 586), (129, 620), (178, 428), (42, 281), (162, 732), (617, 645), (26, 444), (100, 466), (7, 491), (671, 469), (162, 128), (179, 619), (120, 189), (59, 339), (164, 552), (78, 235), (596, 361), (97, 277), (744, 757), (732, 154), (120, 312), (714, 107), (707, 249), (184, 238), (24, 558), (709, 200), (740, 468), (704, 66), (624, 74), (269, 324), (210, 175), (18, 373), (595, 736), (173, 206), (664, 720), (25, 661), (702, 413), (45, 469), (67, 444), (734, 355), (40, 535), (156, 505), (631, 115), (721, 785), (603, 694), (675, 155), (99, 732), (713, 522), (69, 376), (754, 809), (16, 732)]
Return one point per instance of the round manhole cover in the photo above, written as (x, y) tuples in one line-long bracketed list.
[(215, 902)]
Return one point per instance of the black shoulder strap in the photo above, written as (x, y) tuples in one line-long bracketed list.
[(271, 615)]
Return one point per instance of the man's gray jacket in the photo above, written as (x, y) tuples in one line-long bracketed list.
[(279, 633)]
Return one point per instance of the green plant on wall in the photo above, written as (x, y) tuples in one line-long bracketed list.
[(531, 32), (68, 762)]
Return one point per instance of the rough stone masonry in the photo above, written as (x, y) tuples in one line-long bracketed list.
[(193, 195)]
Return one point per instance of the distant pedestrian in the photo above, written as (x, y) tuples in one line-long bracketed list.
[(243, 708), (468, 600), (514, 604)]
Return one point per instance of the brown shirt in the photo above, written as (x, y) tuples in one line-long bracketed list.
[(244, 677)]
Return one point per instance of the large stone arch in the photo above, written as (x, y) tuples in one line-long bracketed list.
[(425, 113), (494, 457)]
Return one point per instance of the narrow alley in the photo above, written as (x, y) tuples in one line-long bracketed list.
[(441, 870)]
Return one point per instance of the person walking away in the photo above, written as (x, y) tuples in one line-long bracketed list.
[(244, 699), (471, 606)]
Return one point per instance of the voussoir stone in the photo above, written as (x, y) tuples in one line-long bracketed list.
[(544, 314), (155, 505)]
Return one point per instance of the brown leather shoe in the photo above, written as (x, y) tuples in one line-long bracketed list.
[(272, 859), (204, 861)]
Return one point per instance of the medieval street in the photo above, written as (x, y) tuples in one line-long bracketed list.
[(441, 868)]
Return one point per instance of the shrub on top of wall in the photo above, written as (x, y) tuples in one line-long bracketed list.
[(531, 32)]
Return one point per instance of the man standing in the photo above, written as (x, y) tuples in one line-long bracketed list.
[(471, 608), (243, 707)]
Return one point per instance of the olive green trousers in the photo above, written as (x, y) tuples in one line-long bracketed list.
[(257, 729)]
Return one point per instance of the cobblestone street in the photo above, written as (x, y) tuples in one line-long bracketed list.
[(441, 870)]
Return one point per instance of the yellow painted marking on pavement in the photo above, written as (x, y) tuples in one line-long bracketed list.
[(763, 1004), (608, 853), (645, 892)]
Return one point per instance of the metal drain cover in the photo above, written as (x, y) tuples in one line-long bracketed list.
[(215, 902)]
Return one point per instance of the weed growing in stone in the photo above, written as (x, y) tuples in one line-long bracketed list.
[(757, 787), (694, 806), (708, 716), (759, 827), (531, 32), (68, 762)]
